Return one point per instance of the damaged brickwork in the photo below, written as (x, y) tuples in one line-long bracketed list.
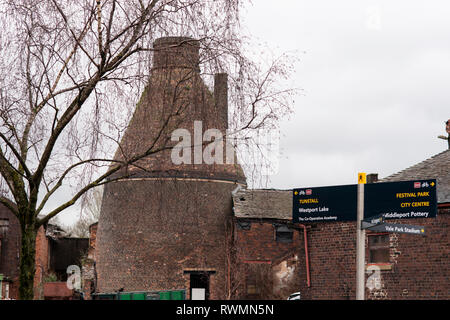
[(418, 266)]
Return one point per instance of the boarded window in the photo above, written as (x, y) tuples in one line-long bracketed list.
[(4, 224), (243, 225), (378, 248), (252, 285), (283, 234)]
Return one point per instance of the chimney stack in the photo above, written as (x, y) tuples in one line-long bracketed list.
[(221, 98), (372, 178), (447, 129), (176, 52)]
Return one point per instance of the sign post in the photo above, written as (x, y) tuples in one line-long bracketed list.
[(370, 205), (360, 240)]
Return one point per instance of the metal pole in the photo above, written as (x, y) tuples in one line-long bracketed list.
[(360, 246)]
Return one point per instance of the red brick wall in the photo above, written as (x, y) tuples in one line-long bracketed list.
[(332, 257), (9, 252), (57, 290), (259, 243), (419, 265), (41, 260), (259, 246), (88, 269), (13, 289), (92, 240), (10, 256), (150, 233)]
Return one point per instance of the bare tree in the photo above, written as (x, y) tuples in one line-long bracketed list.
[(67, 74), (89, 215)]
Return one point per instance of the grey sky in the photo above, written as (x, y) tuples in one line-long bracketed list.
[(375, 77)]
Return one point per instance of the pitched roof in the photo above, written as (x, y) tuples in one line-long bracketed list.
[(263, 204), (437, 167)]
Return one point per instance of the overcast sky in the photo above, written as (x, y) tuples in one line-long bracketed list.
[(375, 80)]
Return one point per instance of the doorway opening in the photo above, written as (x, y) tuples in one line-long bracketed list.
[(199, 284)]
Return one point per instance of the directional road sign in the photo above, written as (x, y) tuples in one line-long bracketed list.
[(400, 200), (325, 204), (398, 228)]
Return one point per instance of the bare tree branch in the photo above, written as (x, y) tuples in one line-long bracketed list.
[(70, 76)]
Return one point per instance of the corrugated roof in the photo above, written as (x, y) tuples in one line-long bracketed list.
[(263, 204), (436, 167)]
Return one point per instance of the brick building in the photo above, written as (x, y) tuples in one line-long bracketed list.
[(322, 263), (54, 253), (164, 226), (270, 252), (271, 257), (9, 253)]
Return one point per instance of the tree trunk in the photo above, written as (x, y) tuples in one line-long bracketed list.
[(27, 261)]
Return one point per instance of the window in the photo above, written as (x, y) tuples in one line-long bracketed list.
[(378, 248), (252, 285), (283, 234), (243, 225), (4, 224)]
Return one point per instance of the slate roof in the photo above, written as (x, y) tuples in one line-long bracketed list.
[(437, 167), (263, 204)]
